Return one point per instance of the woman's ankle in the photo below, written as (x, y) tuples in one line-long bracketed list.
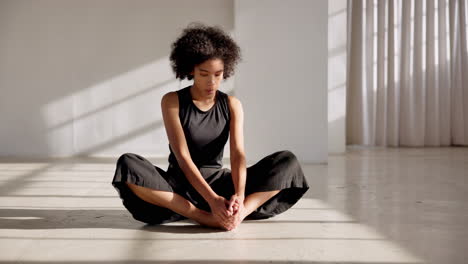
[(199, 215)]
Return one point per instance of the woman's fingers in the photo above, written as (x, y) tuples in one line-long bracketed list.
[(229, 207), (224, 215), (229, 203), (221, 210), (235, 207), (234, 202), (232, 207), (226, 212)]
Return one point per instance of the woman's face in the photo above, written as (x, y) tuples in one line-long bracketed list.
[(207, 76)]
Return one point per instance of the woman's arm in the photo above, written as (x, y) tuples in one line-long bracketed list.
[(236, 145), (176, 136)]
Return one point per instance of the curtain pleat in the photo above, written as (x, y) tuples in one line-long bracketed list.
[(407, 73)]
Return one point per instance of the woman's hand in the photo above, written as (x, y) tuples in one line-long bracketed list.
[(235, 203), (219, 209), (228, 214)]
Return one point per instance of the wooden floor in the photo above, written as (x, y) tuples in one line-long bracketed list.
[(381, 205)]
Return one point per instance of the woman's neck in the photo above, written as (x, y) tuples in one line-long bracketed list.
[(197, 96)]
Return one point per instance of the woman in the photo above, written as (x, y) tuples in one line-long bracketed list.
[(198, 120)]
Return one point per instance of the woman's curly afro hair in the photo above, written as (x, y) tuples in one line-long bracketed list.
[(199, 43)]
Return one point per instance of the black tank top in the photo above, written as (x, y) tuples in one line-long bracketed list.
[(206, 132)]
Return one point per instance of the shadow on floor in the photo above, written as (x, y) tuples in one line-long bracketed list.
[(55, 219)]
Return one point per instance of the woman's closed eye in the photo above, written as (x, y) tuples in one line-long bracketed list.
[(217, 75)]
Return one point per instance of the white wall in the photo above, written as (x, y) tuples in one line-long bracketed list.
[(87, 77), (282, 81), (337, 82)]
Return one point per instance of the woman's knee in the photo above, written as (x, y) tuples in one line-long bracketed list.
[(126, 157), (287, 159), (286, 154), (130, 160)]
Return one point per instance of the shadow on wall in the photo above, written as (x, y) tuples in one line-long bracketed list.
[(75, 74)]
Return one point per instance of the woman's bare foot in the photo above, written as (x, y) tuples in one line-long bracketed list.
[(207, 219), (240, 215), (235, 220)]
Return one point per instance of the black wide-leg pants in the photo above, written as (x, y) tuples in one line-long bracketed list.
[(277, 171)]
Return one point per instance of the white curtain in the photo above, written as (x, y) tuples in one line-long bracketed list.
[(407, 73)]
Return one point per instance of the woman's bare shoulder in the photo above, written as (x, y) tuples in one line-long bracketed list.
[(170, 99), (234, 102)]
